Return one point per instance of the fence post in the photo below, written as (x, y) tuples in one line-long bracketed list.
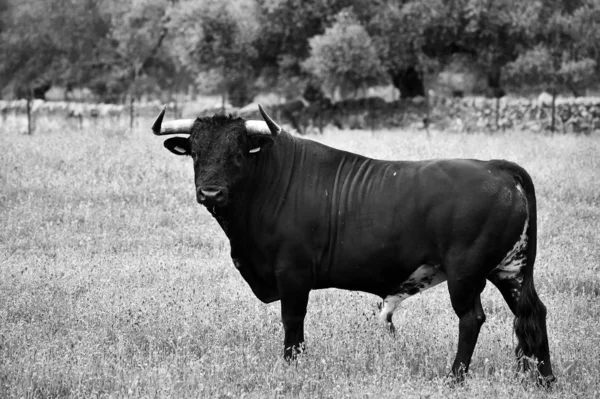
[(29, 121), (497, 112), (131, 113), (427, 118), (552, 126)]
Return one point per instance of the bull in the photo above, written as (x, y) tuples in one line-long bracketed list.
[(300, 215)]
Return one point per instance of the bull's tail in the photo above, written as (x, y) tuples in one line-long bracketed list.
[(530, 315)]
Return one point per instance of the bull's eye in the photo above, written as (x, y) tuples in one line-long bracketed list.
[(239, 158)]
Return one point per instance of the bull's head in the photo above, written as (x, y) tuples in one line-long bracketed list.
[(221, 147)]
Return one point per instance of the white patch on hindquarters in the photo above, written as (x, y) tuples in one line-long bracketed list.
[(424, 277), (390, 303), (511, 267)]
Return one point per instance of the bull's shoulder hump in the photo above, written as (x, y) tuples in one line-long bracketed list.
[(316, 148)]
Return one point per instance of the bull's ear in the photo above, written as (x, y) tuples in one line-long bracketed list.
[(259, 142), (178, 145)]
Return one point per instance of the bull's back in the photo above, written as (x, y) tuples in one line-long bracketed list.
[(392, 217)]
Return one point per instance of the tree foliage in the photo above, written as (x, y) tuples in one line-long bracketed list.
[(344, 56), (399, 33), (234, 47), (104, 44), (560, 52), (215, 40), (286, 27), (39, 46), (131, 59)]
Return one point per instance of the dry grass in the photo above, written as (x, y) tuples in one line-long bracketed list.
[(114, 282)]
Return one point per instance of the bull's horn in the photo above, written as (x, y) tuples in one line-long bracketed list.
[(273, 127), (257, 127), (178, 126)]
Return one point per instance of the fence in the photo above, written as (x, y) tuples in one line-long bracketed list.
[(576, 115)]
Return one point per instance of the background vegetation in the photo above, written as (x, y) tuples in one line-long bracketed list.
[(239, 48), (114, 281)]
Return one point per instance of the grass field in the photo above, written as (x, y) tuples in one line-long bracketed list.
[(114, 282)]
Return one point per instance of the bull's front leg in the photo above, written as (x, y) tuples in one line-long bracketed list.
[(293, 311), (294, 299)]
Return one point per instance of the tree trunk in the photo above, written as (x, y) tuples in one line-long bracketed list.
[(409, 81)]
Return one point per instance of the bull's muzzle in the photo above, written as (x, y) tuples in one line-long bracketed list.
[(210, 195)]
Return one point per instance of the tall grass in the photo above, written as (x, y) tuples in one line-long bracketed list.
[(115, 282)]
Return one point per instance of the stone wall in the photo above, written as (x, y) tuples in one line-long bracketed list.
[(574, 115)]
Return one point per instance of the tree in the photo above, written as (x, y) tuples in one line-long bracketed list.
[(583, 27), (107, 45), (398, 31), (415, 38), (215, 39), (344, 56), (131, 59), (285, 28), (43, 43), (490, 33)]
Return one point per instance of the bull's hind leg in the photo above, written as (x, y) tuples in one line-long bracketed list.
[(465, 295), (530, 321), (509, 288), (424, 277)]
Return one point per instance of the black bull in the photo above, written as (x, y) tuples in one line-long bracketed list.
[(301, 215)]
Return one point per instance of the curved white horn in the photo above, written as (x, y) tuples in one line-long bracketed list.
[(257, 127), (273, 127), (178, 126)]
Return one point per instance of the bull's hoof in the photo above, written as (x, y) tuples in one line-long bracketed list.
[(457, 376), (291, 353), (532, 370), (547, 381), (454, 380), (392, 328)]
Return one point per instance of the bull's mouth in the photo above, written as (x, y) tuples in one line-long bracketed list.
[(211, 196)]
